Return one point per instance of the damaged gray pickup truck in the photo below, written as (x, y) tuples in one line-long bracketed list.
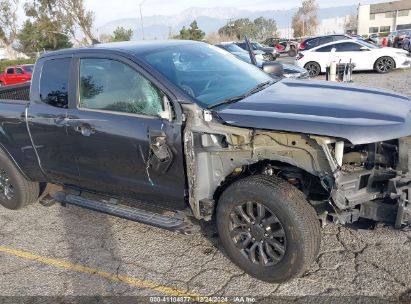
[(167, 132)]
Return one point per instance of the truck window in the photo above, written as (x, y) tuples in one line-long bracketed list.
[(54, 82), (19, 71), (110, 85), (10, 71)]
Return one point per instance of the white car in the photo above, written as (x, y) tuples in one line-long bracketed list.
[(364, 55)]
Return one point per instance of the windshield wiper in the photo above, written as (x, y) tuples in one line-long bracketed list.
[(254, 90)]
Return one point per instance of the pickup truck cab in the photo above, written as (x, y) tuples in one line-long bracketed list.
[(16, 74), (169, 131)]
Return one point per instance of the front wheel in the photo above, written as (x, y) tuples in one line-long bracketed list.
[(268, 228), (384, 64), (313, 68)]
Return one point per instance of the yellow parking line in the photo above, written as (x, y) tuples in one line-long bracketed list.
[(107, 275)]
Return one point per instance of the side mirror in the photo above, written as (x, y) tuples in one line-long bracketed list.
[(167, 113), (273, 68)]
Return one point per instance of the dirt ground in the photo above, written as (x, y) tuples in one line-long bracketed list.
[(69, 251)]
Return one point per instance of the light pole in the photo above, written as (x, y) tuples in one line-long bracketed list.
[(141, 18), (303, 27)]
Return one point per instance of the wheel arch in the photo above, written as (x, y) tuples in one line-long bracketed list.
[(292, 173), (6, 152)]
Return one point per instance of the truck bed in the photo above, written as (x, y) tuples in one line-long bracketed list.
[(19, 93)]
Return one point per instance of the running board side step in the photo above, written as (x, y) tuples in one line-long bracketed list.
[(178, 222)]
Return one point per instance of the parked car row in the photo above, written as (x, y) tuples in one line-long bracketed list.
[(265, 52), (365, 56), (283, 46), (396, 38), (289, 71)]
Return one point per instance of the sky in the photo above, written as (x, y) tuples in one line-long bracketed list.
[(111, 10), (106, 11)]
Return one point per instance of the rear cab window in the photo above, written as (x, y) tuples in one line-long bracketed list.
[(54, 82)]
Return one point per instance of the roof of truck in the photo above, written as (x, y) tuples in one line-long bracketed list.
[(132, 47)]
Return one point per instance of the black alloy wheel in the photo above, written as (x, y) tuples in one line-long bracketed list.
[(268, 228), (257, 233), (313, 69), (6, 188), (384, 64)]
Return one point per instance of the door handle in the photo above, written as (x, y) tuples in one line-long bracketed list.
[(84, 129), (61, 121)]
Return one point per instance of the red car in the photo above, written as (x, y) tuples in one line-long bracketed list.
[(16, 74)]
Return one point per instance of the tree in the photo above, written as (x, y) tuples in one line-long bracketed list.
[(63, 16), (34, 38), (304, 22), (239, 28), (121, 34), (8, 25), (351, 23), (259, 29), (265, 28), (215, 37), (104, 38), (191, 33)]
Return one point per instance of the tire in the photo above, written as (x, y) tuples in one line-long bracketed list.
[(16, 191), (294, 234), (384, 65), (1, 84), (313, 68)]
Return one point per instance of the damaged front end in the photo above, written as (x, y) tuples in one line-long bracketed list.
[(373, 181), (344, 182)]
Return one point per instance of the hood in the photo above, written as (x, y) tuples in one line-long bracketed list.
[(290, 70), (258, 52), (393, 51), (358, 114)]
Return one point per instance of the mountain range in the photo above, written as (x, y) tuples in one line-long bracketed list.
[(210, 20)]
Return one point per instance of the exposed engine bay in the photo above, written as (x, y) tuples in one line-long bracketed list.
[(342, 181)]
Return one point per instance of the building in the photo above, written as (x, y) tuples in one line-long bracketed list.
[(327, 26), (384, 17), (331, 26), (5, 54)]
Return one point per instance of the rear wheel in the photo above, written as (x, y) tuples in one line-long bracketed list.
[(313, 68), (15, 190), (268, 228), (384, 64)]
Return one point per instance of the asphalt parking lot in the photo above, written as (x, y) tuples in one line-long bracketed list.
[(69, 251)]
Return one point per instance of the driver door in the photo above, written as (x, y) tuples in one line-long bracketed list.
[(117, 132)]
